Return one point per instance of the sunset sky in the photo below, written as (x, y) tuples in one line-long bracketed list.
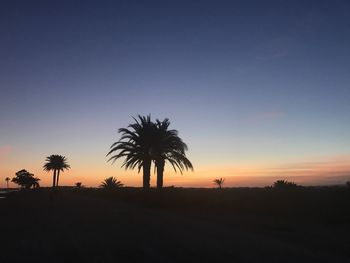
[(259, 90)]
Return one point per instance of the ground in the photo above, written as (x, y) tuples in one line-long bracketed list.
[(176, 225)]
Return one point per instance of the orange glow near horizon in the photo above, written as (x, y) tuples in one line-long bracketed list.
[(332, 171)]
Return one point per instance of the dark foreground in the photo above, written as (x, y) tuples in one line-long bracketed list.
[(176, 225)]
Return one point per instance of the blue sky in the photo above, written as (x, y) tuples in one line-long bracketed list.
[(245, 83)]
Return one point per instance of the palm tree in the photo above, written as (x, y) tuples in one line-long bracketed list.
[(168, 146), (7, 179), (62, 165), (219, 182), (56, 163), (135, 145), (111, 183)]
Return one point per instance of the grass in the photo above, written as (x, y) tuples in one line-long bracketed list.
[(236, 224)]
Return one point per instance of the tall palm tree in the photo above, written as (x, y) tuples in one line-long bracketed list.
[(62, 165), (168, 146), (50, 165), (135, 145), (56, 163), (7, 179)]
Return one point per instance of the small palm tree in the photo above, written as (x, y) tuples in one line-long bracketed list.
[(219, 182), (135, 145), (56, 163), (111, 183), (78, 184), (7, 179)]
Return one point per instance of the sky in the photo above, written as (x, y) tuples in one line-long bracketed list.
[(259, 90)]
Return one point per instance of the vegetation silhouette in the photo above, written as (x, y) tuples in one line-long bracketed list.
[(7, 179), (284, 184), (168, 146), (26, 179), (78, 184), (56, 163), (348, 184), (219, 182), (135, 145), (145, 141), (111, 183)]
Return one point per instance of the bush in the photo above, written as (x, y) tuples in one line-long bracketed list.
[(26, 179), (284, 184), (111, 183)]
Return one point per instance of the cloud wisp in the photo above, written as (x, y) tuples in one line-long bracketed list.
[(5, 151)]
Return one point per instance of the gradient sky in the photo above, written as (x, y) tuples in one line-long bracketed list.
[(258, 90)]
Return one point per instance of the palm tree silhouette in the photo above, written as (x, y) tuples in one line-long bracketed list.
[(111, 183), (135, 145), (168, 146), (219, 182), (56, 163), (7, 179), (63, 165)]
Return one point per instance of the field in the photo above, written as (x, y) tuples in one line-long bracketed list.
[(176, 225)]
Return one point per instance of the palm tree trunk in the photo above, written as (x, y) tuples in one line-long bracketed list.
[(54, 178), (7, 184), (146, 173), (58, 177), (160, 172)]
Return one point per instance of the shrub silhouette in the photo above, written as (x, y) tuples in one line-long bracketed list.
[(219, 182), (78, 185), (111, 183), (26, 180), (56, 163), (348, 184), (284, 184)]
